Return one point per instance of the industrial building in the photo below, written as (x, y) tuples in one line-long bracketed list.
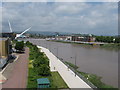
[(4, 51), (84, 38)]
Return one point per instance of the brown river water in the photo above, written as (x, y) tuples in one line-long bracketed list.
[(94, 60)]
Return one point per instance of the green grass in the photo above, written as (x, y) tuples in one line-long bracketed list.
[(115, 46), (32, 83), (58, 81), (55, 80), (94, 79), (71, 65)]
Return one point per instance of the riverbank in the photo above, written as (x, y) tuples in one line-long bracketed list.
[(94, 79), (109, 46), (115, 46)]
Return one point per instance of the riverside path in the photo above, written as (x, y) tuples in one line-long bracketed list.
[(67, 75)]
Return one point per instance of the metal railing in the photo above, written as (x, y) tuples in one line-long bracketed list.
[(82, 77)]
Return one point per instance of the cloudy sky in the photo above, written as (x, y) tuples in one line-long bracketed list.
[(78, 17)]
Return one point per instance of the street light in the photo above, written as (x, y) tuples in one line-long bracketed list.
[(49, 47), (45, 44), (57, 52), (75, 64), (57, 48), (75, 56)]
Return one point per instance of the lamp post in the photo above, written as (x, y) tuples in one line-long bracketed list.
[(49, 47), (45, 44), (75, 64), (57, 48), (57, 51), (75, 58)]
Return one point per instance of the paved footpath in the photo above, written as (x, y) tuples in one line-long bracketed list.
[(18, 76), (67, 75)]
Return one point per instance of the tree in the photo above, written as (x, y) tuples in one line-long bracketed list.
[(108, 39), (43, 70), (19, 46), (117, 40), (43, 60), (39, 61)]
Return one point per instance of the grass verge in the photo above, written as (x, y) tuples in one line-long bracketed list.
[(115, 46), (71, 65), (39, 68), (56, 80)]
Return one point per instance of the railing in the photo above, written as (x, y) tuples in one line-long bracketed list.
[(82, 77)]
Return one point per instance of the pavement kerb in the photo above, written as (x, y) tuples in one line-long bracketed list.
[(8, 64)]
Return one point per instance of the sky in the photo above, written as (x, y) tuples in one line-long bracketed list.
[(100, 18)]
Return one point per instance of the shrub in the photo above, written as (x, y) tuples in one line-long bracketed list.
[(39, 61), (43, 70), (19, 46)]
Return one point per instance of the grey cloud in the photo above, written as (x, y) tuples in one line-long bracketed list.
[(66, 17)]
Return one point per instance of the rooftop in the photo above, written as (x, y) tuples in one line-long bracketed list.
[(43, 81), (3, 39)]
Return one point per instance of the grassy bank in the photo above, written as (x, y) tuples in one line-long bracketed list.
[(57, 81), (71, 65), (94, 79), (115, 46), (39, 68)]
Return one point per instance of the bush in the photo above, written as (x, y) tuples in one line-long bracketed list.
[(40, 61), (43, 70), (19, 46)]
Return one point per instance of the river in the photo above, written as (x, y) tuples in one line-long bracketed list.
[(102, 62)]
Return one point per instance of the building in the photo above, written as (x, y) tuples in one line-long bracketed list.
[(4, 47), (78, 38), (63, 38), (83, 38), (5, 50), (10, 35)]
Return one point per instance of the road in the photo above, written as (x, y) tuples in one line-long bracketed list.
[(18, 75), (67, 75)]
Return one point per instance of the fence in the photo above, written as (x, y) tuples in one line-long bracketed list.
[(82, 77)]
